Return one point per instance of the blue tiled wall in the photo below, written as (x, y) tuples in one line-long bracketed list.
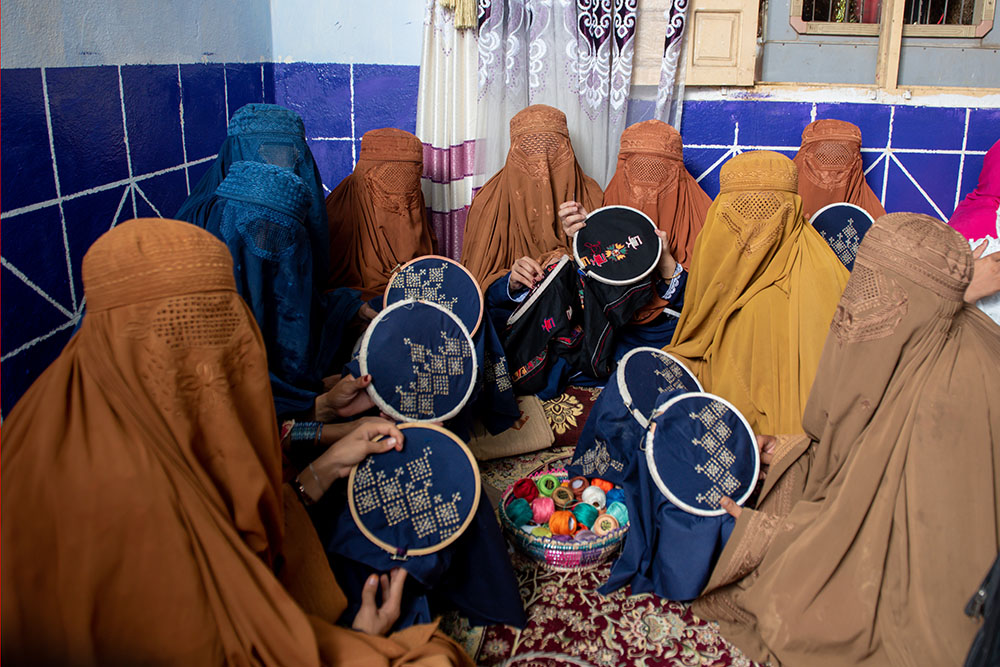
[(85, 148)]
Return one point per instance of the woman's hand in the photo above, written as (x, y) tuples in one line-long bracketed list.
[(667, 264), (766, 445), (526, 272), (372, 436), (730, 506), (346, 399), (572, 217), (371, 618), (985, 275)]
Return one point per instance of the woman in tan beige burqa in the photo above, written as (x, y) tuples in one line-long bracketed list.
[(875, 526), (514, 214)]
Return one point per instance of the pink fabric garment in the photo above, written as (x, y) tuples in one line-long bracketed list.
[(976, 216)]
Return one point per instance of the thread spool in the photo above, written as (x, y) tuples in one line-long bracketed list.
[(585, 514), (602, 484), (562, 523), (562, 538), (577, 485), (519, 512), (605, 524), (585, 536), (619, 512), (541, 531), (542, 509), (525, 488), (594, 495), (527, 528), (547, 484), (615, 496), (563, 497)]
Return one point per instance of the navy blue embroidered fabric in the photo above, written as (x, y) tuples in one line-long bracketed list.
[(270, 134), (619, 245), (258, 212), (842, 226), (443, 281), (422, 362), (614, 432)]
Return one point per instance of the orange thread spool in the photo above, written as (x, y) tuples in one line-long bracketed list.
[(602, 484), (562, 523)]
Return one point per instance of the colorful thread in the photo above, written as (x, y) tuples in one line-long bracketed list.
[(615, 496), (525, 488), (542, 509), (563, 497), (547, 484), (585, 536), (541, 531), (577, 485), (619, 512), (594, 495), (585, 514), (563, 523), (602, 484), (605, 524), (519, 512)]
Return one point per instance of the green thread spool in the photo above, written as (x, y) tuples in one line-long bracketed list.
[(585, 514), (541, 531), (619, 512), (519, 512), (547, 484), (563, 497)]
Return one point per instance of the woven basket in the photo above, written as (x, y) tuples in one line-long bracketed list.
[(556, 555)]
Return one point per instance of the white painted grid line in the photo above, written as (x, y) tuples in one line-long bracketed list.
[(354, 134), (128, 150), (961, 160), (118, 211), (875, 163), (184, 148), (136, 188), (39, 339), (888, 152), (42, 293), (918, 187), (225, 91)]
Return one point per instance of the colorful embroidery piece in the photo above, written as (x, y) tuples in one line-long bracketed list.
[(418, 500), (421, 359), (699, 448), (619, 245), (598, 460), (442, 281), (842, 226)]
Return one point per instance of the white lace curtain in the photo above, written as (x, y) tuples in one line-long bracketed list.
[(575, 55), (446, 123)]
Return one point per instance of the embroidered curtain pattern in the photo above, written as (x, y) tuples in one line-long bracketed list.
[(575, 55), (446, 123), (670, 91)]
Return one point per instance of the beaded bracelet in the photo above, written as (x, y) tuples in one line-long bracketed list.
[(306, 432)]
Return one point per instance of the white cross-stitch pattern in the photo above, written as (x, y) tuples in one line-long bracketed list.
[(845, 243), (671, 374), (497, 372), (717, 468), (426, 284), (597, 459), (432, 369), (404, 494)]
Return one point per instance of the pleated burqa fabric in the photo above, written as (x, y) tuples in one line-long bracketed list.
[(875, 527), (762, 289), (830, 168), (142, 501), (378, 220), (515, 213)]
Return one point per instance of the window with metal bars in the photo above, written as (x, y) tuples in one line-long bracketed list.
[(921, 18)]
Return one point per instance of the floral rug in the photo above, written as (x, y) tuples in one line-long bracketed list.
[(569, 622)]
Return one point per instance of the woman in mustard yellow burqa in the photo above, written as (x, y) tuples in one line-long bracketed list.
[(762, 291)]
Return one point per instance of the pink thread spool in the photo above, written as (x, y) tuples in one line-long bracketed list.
[(542, 509)]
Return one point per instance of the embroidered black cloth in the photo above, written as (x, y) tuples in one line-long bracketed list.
[(619, 245)]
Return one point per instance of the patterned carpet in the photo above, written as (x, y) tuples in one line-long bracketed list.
[(569, 622)]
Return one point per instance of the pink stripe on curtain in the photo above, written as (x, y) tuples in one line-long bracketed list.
[(449, 226), (444, 165)]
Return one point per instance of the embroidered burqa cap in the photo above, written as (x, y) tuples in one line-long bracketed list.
[(619, 245), (163, 515), (443, 281), (762, 289), (422, 361), (830, 168), (842, 226), (849, 558), (514, 214), (378, 220), (615, 429)]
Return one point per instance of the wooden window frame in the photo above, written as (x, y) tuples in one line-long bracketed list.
[(982, 23)]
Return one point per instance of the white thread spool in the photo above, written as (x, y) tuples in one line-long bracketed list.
[(594, 495)]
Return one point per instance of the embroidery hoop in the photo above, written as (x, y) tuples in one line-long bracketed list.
[(537, 291), (473, 327), (377, 398), (823, 231), (651, 462), (397, 553), (609, 281), (623, 387)]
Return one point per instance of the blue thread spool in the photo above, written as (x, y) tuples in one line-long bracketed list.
[(519, 512), (615, 495), (619, 512), (585, 514)]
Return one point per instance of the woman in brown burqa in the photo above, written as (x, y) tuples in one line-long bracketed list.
[(875, 526), (378, 220), (830, 168), (143, 512), (514, 214)]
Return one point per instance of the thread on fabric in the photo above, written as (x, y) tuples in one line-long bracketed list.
[(585, 514), (542, 509), (577, 485), (605, 524), (547, 484), (615, 496), (525, 488), (602, 484), (619, 512), (519, 512), (563, 497), (563, 523), (594, 495)]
